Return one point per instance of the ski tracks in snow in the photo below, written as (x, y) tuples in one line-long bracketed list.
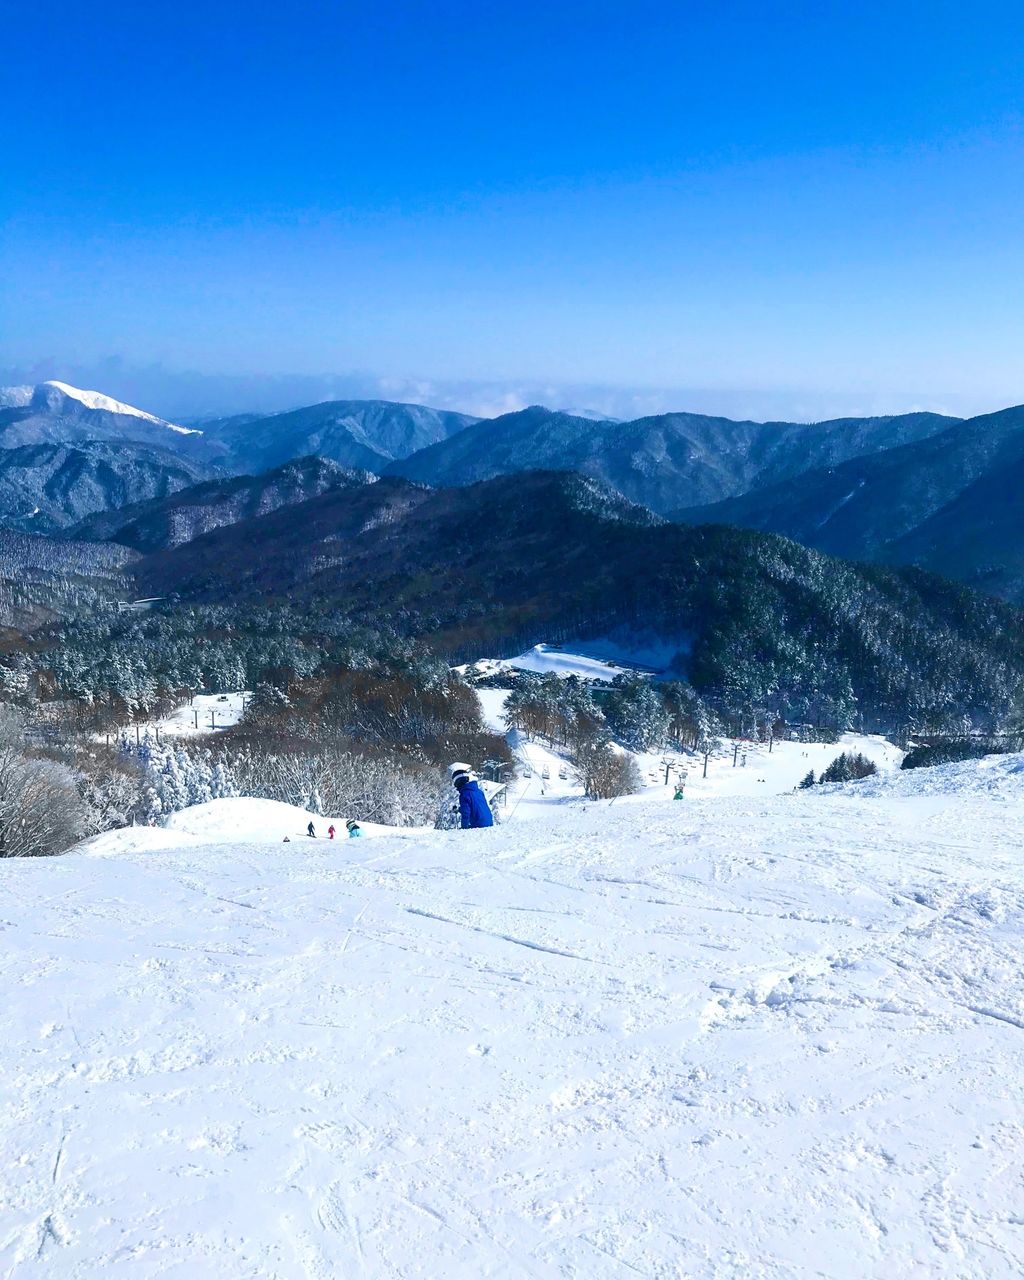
[(751, 1038)]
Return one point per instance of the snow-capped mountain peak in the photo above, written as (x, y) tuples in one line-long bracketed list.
[(107, 404)]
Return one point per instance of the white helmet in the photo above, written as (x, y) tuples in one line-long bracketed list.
[(459, 768)]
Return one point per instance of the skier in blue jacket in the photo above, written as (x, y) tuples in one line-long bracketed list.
[(474, 811)]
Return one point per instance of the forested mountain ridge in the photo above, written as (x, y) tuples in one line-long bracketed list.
[(948, 503), (496, 566), (272, 557), (169, 521), (45, 488), (664, 462), (43, 579)]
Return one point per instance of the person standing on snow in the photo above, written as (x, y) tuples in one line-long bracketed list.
[(355, 831), (474, 811), (311, 830), (330, 832)]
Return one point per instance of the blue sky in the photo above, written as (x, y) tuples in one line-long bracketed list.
[(765, 209)]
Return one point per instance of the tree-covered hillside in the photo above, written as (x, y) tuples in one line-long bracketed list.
[(501, 565)]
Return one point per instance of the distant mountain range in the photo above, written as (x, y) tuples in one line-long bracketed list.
[(666, 462), (950, 503), (917, 488)]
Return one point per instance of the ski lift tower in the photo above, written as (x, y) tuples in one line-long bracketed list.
[(494, 769)]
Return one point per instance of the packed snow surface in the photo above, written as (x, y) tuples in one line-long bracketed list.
[(234, 820), (767, 1037), (97, 400), (250, 819)]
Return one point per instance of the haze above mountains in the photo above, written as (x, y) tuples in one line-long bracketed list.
[(915, 489)]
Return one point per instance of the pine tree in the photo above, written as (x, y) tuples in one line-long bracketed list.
[(637, 714)]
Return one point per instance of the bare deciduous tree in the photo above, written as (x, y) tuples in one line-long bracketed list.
[(41, 811), (607, 773)]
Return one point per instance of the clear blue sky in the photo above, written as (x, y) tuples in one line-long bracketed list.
[(814, 204)]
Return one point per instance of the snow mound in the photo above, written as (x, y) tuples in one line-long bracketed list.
[(97, 400), (242, 818), (245, 820), (253, 820), (125, 840), (1001, 775)]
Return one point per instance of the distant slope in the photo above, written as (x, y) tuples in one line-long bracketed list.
[(978, 537), (947, 503), (48, 487), (274, 555), (498, 566), (363, 434), (169, 521), (665, 462)]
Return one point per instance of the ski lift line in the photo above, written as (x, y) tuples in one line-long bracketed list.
[(522, 797)]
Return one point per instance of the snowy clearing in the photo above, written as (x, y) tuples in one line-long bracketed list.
[(546, 659), (742, 1037), (758, 771), (207, 713)]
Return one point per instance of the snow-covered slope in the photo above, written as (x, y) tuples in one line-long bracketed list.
[(57, 413), (546, 659), (735, 1038), (97, 400), (206, 713)]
